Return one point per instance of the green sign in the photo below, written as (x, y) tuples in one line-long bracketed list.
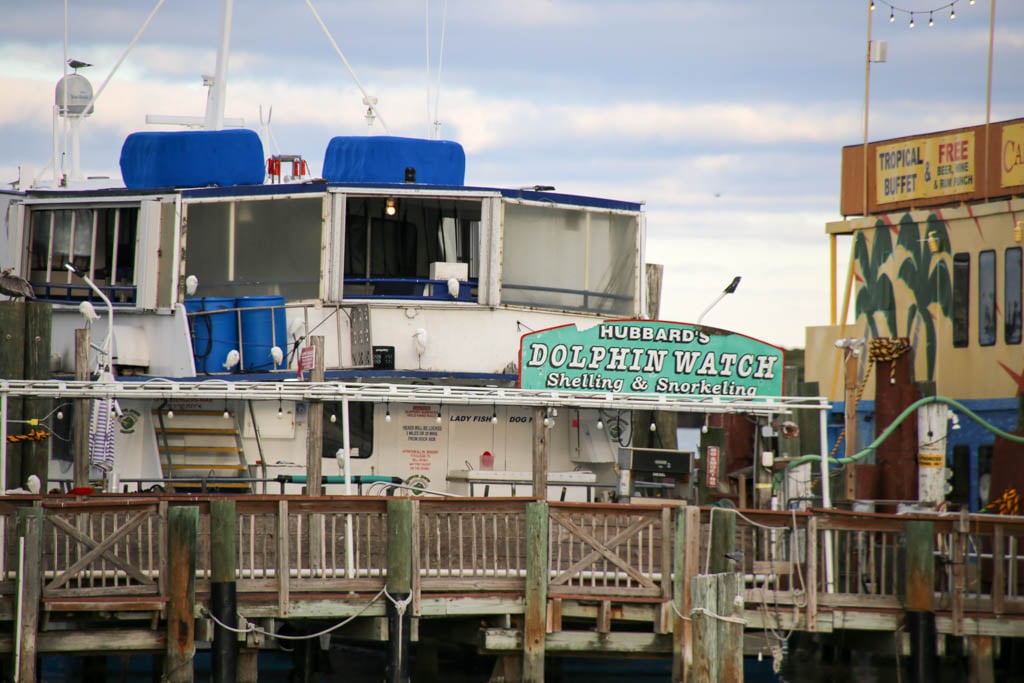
[(641, 357)]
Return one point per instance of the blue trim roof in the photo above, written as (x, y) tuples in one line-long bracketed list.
[(320, 185)]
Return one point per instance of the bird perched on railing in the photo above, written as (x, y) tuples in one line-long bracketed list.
[(15, 286)]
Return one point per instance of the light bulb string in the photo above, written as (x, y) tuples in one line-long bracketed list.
[(893, 9)]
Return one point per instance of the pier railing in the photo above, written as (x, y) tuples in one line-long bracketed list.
[(855, 570)]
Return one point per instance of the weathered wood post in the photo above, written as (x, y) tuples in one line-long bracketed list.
[(535, 615), (723, 541), (399, 588), (12, 366), (38, 326), (315, 424), (717, 618), (920, 568), (80, 429), (685, 565), (223, 598), (540, 453), (30, 586), (182, 532)]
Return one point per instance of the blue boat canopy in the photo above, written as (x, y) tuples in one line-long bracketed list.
[(195, 158), (384, 159)]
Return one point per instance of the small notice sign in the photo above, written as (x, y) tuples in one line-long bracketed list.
[(307, 359), (712, 467)]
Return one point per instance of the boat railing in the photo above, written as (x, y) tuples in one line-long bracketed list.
[(408, 288), (69, 293)]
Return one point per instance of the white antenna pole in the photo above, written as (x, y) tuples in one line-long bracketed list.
[(371, 102), (440, 61), (64, 118), (426, 24), (215, 102)]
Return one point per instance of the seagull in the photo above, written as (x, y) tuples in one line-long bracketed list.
[(232, 360), (277, 355), (88, 312), (77, 64), (453, 287), (15, 286), (191, 285)]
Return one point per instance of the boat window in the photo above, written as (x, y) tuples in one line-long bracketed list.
[(987, 298), (97, 241), (256, 247), (570, 259), (1012, 292), (360, 429), (961, 299), (391, 243)]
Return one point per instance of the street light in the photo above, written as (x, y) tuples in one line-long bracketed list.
[(728, 290)]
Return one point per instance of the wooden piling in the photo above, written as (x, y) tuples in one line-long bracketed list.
[(12, 366), (315, 425), (717, 628), (223, 597), (685, 565), (540, 453), (80, 430), (535, 615), (399, 588), (38, 324), (723, 541), (182, 532), (30, 530)]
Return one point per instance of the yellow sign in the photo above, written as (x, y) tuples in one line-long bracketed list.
[(931, 460), (1012, 169), (925, 167)]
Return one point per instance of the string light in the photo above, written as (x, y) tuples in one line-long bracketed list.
[(494, 414), (387, 412), (893, 9)]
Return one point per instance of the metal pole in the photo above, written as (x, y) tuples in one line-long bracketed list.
[(867, 95), (826, 495), (728, 290), (346, 435), (215, 103)]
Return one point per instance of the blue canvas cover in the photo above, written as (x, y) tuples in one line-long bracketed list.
[(194, 158), (384, 158)]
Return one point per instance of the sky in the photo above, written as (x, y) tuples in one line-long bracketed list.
[(725, 118)]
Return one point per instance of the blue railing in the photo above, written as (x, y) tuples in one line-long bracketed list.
[(407, 288), (119, 295)]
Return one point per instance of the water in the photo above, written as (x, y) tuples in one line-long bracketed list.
[(366, 663)]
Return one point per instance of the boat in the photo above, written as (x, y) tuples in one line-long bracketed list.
[(412, 329)]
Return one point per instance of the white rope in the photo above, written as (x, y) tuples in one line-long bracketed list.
[(252, 628), (720, 617)]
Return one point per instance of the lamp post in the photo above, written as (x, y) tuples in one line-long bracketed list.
[(728, 290)]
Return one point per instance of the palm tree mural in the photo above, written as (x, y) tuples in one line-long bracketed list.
[(876, 294), (926, 274)]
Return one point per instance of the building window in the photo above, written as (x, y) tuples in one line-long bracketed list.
[(588, 261), (961, 299), (360, 416), (256, 247), (390, 243), (98, 242), (987, 298), (1012, 296)]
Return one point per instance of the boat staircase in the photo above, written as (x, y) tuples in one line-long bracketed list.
[(201, 451)]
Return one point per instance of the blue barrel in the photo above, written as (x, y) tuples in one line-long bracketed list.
[(213, 335), (262, 329)]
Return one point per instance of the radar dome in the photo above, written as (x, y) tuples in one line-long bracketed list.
[(74, 92)]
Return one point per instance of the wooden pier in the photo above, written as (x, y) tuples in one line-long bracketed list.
[(520, 578)]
